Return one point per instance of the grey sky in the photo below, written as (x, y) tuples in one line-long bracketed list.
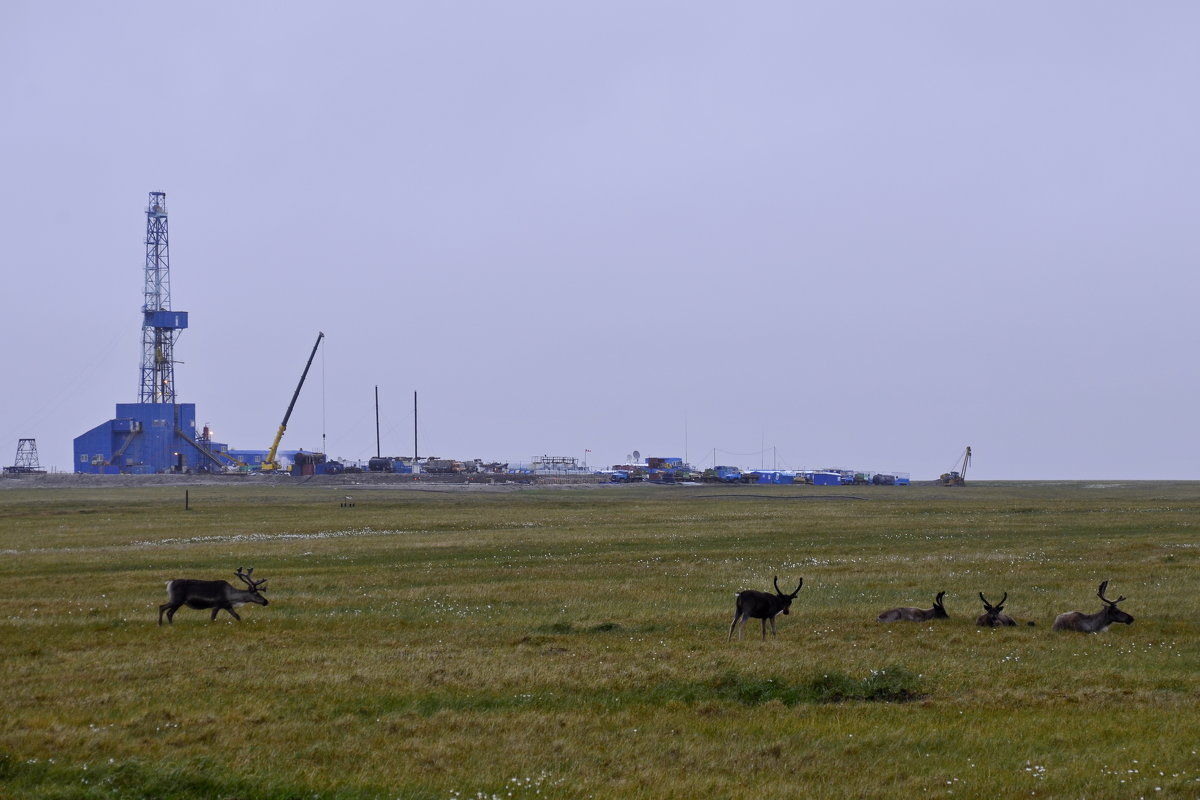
[(853, 234)]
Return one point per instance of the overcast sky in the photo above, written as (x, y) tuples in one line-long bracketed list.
[(851, 234)]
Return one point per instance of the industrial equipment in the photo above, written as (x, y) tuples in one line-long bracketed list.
[(958, 477), (270, 464), (157, 433), (723, 474), (26, 462)]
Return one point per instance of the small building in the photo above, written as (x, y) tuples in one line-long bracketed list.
[(826, 478)]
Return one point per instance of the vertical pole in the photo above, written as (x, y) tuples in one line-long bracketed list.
[(186, 501), (377, 453), (414, 429)]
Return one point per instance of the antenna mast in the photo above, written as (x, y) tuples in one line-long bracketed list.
[(160, 325)]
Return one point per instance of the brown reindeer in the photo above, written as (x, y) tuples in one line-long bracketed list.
[(761, 605), (916, 614), (993, 616), (216, 595), (1093, 623)]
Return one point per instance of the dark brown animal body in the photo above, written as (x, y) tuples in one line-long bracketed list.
[(1093, 623), (216, 595), (909, 614), (993, 616), (761, 605)]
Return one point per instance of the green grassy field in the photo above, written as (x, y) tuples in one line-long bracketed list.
[(572, 643)]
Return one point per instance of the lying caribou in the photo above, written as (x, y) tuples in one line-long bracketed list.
[(993, 616), (1093, 623), (916, 614), (761, 605), (212, 594)]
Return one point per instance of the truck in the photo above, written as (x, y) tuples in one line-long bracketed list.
[(722, 474)]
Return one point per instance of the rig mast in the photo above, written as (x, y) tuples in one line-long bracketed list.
[(160, 325)]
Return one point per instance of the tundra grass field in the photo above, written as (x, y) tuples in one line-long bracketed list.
[(573, 643)]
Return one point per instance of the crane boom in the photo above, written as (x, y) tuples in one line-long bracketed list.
[(958, 476), (270, 463)]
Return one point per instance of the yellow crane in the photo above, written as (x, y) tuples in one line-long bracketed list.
[(958, 477), (270, 464)]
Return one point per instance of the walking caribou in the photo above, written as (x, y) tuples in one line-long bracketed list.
[(916, 614), (1093, 623), (761, 605), (216, 595)]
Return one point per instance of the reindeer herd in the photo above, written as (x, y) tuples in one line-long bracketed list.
[(752, 604)]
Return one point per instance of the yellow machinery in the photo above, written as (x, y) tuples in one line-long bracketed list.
[(958, 477), (270, 464)]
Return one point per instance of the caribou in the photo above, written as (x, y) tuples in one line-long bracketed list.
[(993, 616), (1093, 623), (761, 605), (916, 614), (216, 595)]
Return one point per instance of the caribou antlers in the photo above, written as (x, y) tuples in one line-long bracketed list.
[(247, 577), (1100, 594)]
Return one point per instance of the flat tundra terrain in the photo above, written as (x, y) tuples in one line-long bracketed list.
[(518, 642)]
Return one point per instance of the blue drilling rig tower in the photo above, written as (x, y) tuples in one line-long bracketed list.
[(155, 434), (160, 325)]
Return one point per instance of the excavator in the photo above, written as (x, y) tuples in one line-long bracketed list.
[(957, 477), (270, 464)]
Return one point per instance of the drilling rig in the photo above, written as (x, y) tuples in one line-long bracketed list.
[(157, 433)]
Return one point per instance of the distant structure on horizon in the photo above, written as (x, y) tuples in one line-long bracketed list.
[(26, 462)]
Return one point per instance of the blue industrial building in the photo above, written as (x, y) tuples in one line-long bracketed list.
[(144, 438)]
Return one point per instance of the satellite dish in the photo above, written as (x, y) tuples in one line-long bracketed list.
[(637, 456)]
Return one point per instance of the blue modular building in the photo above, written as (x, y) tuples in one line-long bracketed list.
[(777, 476), (145, 438)]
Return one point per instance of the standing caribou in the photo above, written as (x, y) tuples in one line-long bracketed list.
[(761, 605), (1093, 623), (916, 614), (212, 594), (993, 616)]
